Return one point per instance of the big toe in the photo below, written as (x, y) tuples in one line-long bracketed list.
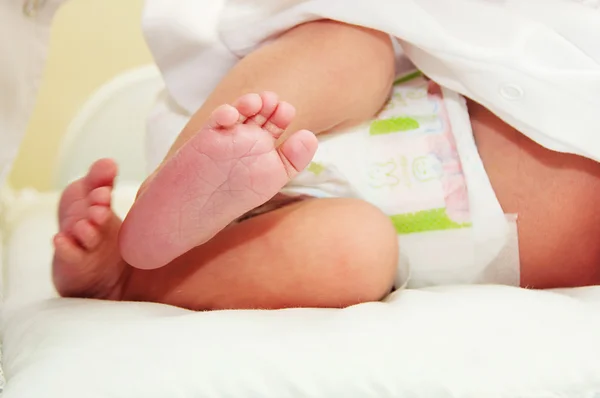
[(102, 173), (298, 151)]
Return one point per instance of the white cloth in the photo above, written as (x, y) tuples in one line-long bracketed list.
[(534, 63), (24, 34)]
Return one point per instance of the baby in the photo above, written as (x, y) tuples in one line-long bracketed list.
[(181, 243)]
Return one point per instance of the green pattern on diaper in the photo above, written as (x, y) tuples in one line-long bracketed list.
[(315, 168), (395, 125), (425, 221), (407, 78)]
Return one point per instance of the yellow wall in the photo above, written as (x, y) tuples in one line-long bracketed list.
[(92, 41)]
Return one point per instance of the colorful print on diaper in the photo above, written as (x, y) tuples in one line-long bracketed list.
[(316, 168), (393, 125), (414, 171)]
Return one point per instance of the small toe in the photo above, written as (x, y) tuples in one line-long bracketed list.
[(270, 101), (86, 234), (100, 196), (297, 151), (224, 116), (66, 250), (280, 119), (248, 105), (99, 214)]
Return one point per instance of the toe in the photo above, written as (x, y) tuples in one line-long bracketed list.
[(86, 234), (248, 105), (99, 214), (102, 173), (280, 119), (100, 196), (297, 151), (224, 116), (66, 250), (269, 105)]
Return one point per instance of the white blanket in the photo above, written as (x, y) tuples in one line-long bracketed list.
[(455, 342)]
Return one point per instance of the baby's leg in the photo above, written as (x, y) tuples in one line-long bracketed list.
[(333, 73), (555, 196), (207, 180), (317, 253), (229, 168)]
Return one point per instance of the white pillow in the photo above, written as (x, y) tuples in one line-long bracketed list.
[(470, 341)]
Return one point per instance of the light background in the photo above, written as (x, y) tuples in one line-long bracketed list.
[(91, 42)]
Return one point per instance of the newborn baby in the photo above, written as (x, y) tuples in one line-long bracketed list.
[(188, 242)]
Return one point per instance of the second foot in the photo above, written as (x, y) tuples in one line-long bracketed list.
[(87, 262)]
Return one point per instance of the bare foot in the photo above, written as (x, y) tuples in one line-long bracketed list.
[(87, 262), (230, 167)]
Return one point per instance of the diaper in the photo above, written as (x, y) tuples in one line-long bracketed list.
[(417, 161)]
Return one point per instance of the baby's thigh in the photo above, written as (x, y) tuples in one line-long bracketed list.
[(314, 253), (555, 196)]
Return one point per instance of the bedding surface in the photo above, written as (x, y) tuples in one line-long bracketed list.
[(459, 341)]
